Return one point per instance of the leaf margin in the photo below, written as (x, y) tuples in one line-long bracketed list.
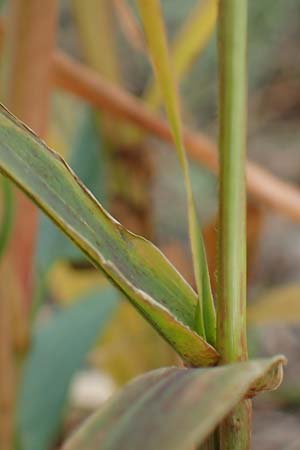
[(203, 352)]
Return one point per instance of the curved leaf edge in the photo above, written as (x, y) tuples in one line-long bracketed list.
[(203, 354), (255, 375), (270, 380)]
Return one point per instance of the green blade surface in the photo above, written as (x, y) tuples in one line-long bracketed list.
[(132, 263)]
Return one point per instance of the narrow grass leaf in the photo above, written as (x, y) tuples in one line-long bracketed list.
[(155, 34), (170, 408), (188, 44), (132, 263)]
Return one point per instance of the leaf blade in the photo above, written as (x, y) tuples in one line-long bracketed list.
[(88, 161), (175, 408), (135, 265)]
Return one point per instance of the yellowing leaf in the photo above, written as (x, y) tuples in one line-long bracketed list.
[(96, 30), (66, 283), (188, 44), (131, 347), (281, 305)]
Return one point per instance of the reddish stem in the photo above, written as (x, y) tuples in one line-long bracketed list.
[(31, 40)]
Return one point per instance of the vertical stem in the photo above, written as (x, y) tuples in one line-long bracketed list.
[(232, 211), (231, 289), (30, 42)]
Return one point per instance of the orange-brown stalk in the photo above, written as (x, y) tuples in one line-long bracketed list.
[(30, 39), (30, 44), (79, 80), (88, 85)]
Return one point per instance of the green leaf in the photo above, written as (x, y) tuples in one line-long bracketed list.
[(135, 266), (57, 351), (170, 408), (205, 320), (88, 161)]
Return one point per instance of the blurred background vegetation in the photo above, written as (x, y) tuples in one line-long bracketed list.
[(85, 341)]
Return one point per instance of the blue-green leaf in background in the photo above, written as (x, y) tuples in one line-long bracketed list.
[(58, 349)]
